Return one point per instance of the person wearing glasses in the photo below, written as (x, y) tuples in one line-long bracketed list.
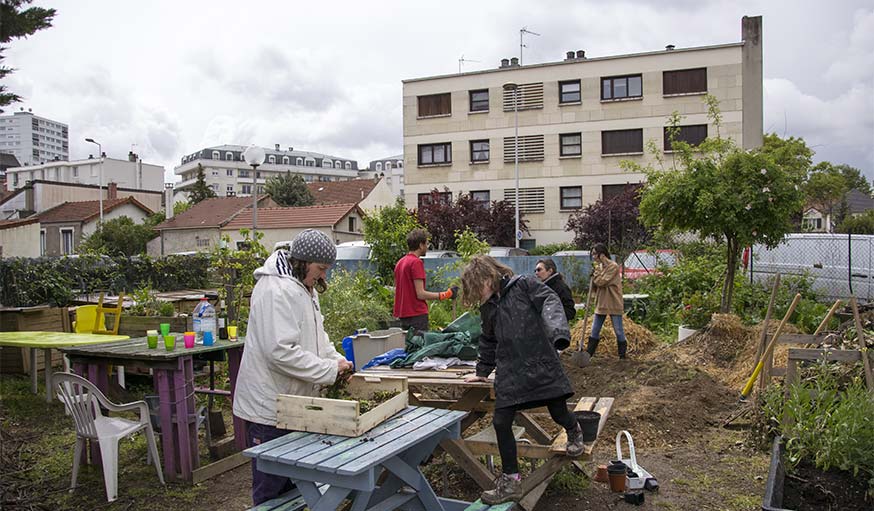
[(607, 283), (546, 271)]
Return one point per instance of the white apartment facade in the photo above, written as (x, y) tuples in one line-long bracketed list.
[(125, 173), (33, 139), (227, 173), (391, 169), (577, 120)]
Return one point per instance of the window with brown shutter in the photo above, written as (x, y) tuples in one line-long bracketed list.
[(622, 141), (684, 81), (435, 104), (692, 135)]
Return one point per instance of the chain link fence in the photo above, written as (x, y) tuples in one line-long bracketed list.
[(840, 265)]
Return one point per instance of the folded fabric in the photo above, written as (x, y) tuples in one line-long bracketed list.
[(386, 358), (436, 344), (441, 363)]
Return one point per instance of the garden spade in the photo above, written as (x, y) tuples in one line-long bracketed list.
[(581, 357)]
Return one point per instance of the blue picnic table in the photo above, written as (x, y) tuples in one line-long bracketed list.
[(328, 469)]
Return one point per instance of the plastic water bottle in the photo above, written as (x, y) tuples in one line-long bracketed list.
[(204, 320)]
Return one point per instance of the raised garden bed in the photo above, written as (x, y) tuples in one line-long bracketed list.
[(810, 489)]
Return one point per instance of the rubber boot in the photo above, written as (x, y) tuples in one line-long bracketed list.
[(593, 345), (623, 348)]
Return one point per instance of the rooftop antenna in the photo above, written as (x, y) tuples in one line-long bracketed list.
[(522, 32), (462, 60)]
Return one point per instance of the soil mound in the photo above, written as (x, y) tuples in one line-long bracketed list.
[(640, 340)]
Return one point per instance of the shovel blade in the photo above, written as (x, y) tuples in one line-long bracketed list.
[(581, 358)]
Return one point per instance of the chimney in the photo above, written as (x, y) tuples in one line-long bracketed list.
[(581, 54), (131, 156), (168, 200), (290, 149), (276, 146), (569, 55), (514, 62), (90, 156), (505, 63), (670, 47), (112, 190)]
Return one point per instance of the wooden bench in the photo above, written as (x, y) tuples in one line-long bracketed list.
[(289, 501)]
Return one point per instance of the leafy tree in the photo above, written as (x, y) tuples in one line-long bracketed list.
[(825, 189), (119, 236), (235, 268), (289, 190), (17, 23), (854, 177), (494, 223), (200, 190), (386, 232), (859, 224), (181, 207), (613, 221), (722, 192)]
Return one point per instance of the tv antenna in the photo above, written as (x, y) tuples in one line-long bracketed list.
[(522, 32), (462, 60)]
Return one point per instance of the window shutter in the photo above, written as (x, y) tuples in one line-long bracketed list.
[(530, 148), (530, 96)]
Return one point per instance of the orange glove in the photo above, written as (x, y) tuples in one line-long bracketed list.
[(452, 292)]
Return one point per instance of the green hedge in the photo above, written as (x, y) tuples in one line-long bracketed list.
[(56, 280)]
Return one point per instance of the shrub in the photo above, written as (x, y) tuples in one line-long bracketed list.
[(354, 301), (551, 248)]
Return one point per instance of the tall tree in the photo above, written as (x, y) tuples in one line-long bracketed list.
[(386, 232), (492, 222), (17, 23), (723, 192), (289, 190), (825, 189), (613, 221), (854, 177), (200, 190)]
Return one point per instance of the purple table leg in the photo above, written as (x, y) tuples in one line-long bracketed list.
[(192, 412), (235, 356), (181, 425), (165, 397)]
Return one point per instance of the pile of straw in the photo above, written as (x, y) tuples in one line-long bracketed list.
[(640, 340)]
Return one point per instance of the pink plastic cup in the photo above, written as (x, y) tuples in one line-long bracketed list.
[(189, 339)]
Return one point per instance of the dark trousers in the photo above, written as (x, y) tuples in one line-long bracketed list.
[(419, 323), (265, 486), (503, 422)]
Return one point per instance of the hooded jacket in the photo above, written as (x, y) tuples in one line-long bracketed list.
[(287, 350), (557, 284), (608, 282), (523, 324)]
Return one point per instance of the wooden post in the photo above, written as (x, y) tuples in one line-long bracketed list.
[(763, 341), (863, 347)]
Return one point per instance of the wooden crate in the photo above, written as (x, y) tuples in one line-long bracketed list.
[(339, 416)]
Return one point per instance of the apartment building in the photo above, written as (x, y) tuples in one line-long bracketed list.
[(390, 168), (131, 173), (33, 139), (227, 172), (577, 120)]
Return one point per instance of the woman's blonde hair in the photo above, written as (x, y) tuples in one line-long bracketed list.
[(481, 270)]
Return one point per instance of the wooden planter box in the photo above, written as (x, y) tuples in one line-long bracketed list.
[(136, 326), (339, 416)]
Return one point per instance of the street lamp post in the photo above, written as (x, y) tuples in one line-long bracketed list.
[(254, 156), (100, 184), (510, 86)]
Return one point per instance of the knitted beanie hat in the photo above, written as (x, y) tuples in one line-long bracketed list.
[(313, 246)]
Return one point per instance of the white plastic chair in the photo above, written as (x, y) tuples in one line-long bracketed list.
[(83, 400)]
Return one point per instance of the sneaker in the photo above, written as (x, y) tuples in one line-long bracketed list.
[(507, 489), (575, 445)]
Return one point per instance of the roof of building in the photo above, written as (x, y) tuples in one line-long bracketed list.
[(82, 211), (289, 218), (858, 201), (342, 192), (8, 160), (212, 212), (290, 151), (9, 224)]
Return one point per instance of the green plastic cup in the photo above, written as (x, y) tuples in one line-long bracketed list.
[(152, 339), (165, 328), (170, 342)]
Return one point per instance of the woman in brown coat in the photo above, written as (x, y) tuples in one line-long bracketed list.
[(607, 281)]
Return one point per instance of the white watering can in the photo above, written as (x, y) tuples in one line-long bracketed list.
[(633, 483)]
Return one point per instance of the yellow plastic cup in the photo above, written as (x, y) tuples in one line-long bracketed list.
[(232, 333)]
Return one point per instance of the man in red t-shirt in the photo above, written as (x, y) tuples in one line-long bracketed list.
[(410, 293)]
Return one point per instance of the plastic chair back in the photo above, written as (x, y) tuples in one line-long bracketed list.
[(86, 315), (101, 311), (82, 400)]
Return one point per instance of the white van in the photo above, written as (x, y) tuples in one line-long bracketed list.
[(839, 264)]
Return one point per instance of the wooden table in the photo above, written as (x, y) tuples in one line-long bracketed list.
[(477, 398), (351, 466), (173, 373), (47, 341)]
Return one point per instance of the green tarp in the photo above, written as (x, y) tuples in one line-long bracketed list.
[(459, 339)]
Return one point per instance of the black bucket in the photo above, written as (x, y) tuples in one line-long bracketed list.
[(588, 421)]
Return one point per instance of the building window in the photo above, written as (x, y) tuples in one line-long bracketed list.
[(216, 155), (271, 159), (684, 81), (569, 92), (425, 198), (244, 173), (530, 148), (571, 197), (379, 165), (286, 160), (260, 188), (351, 224), (230, 172), (348, 165), (338, 164), (620, 87), (230, 189), (692, 135), (479, 100), (42, 242), (434, 154), (229, 156), (203, 242), (811, 223), (482, 197), (66, 241), (479, 151), (327, 164), (622, 141), (75, 171), (215, 173), (299, 161), (610, 191), (435, 104), (571, 144), (247, 189), (310, 162)]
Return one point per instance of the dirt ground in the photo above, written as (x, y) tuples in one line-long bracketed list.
[(673, 400)]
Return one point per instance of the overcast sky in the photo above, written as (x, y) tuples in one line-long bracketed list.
[(171, 77)]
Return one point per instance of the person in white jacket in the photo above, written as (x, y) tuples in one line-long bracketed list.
[(287, 349)]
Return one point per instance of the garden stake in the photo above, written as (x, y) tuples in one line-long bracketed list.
[(764, 338), (769, 351), (581, 357), (863, 347), (825, 320)]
